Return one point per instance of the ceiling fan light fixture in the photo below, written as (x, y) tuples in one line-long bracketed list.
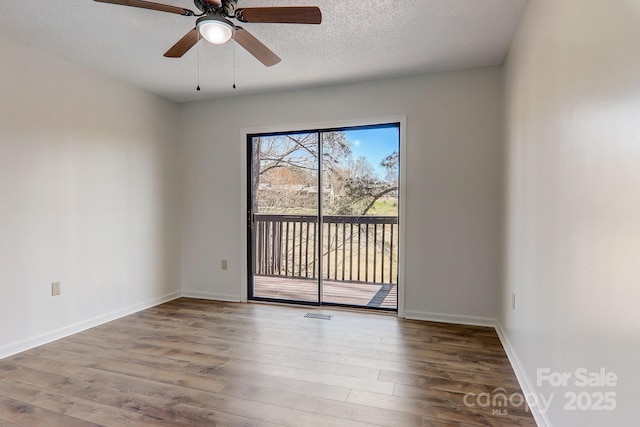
[(215, 29)]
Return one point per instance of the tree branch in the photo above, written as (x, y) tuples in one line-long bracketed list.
[(376, 197)]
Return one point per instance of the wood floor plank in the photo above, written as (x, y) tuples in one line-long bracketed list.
[(193, 362), (156, 400), (302, 361), (267, 337), (28, 360), (185, 399), (68, 405), (396, 362), (93, 390), (439, 384), (313, 376), (212, 345), (457, 396), (25, 414), (434, 354), (426, 422), (199, 381), (434, 407), (199, 416), (304, 328), (367, 414), (6, 423)]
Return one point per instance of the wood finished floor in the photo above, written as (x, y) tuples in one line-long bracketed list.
[(201, 363), (337, 292)]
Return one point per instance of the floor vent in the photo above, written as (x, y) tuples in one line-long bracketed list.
[(319, 316)]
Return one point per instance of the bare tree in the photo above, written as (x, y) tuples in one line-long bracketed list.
[(361, 188), (285, 168), (285, 176)]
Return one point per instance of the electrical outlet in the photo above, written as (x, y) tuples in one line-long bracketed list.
[(224, 264), (513, 301), (55, 289)]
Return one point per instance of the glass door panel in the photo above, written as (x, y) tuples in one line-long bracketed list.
[(284, 209), (360, 217)]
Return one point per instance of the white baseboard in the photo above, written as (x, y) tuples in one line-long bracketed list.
[(450, 318), (57, 334), (523, 379), (211, 296)]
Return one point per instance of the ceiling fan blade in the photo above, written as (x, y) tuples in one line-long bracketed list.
[(280, 15), (255, 47), (150, 5), (183, 45)]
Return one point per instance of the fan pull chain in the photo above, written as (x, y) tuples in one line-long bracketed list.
[(234, 64), (198, 60)]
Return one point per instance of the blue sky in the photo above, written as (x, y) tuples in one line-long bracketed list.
[(375, 144)]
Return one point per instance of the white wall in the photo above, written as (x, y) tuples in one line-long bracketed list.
[(453, 195), (573, 201), (88, 196)]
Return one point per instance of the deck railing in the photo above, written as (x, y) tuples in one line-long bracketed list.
[(354, 248)]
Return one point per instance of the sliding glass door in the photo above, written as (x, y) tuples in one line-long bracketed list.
[(284, 217), (323, 216)]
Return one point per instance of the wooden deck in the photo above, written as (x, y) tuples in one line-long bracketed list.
[(202, 363), (372, 295)]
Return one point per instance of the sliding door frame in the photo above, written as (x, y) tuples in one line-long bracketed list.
[(247, 133), (250, 241)]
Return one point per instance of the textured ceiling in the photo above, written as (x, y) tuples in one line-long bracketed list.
[(358, 40)]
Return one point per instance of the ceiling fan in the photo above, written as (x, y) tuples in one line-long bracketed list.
[(214, 25)]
